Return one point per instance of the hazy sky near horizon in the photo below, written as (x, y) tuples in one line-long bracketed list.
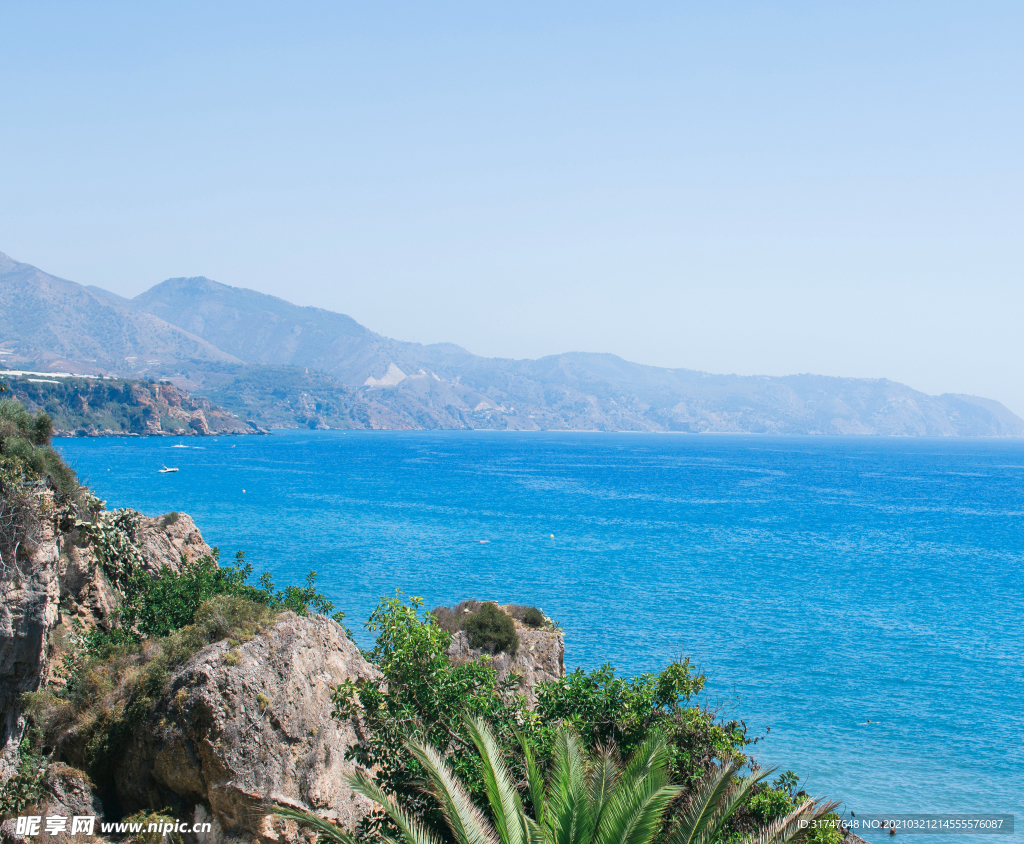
[(759, 188)]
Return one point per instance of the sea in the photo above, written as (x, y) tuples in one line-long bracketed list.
[(857, 602)]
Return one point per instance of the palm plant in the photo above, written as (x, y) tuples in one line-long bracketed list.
[(587, 799)]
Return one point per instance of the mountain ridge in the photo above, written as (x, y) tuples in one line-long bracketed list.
[(253, 353)]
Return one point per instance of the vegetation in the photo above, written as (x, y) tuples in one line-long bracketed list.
[(26, 787), (423, 697), (27, 464), (586, 798), (490, 629)]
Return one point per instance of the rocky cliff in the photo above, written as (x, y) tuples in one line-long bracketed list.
[(110, 407), (540, 657), (63, 580)]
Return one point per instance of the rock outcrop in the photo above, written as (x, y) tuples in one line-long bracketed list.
[(61, 580), (68, 794), (241, 726), (539, 658), (29, 609), (165, 540)]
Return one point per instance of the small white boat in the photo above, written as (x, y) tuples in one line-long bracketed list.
[(166, 470)]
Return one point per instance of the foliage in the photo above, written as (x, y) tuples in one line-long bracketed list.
[(606, 708), (422, 694), (491, 629), (587, 799), (299, 599), (27, 462), (26, 786), (114, 539), (452, 618), (25, 450), (533, 617)]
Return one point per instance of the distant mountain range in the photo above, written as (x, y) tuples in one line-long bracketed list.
[(276, 363)]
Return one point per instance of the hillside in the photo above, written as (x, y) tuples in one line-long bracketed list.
[(48, 320), (280, 364), (108, 407)]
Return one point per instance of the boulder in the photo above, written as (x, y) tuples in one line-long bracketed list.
[(163, 541), (238, 727), (539, 658)]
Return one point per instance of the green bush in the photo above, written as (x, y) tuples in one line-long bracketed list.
[(533, 617), (489, 628), (26, 452), (169, 519)]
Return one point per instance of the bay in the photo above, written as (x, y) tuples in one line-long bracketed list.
[(860, 597)]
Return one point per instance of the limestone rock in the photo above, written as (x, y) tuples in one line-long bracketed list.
[(69, 794), (238, 727), (61, 580), (29, 603), (163, 541), (540, 657)]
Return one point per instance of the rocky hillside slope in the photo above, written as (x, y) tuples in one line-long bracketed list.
[(45, 319), (110, 407)]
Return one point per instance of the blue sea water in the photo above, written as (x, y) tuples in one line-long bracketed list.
[(860, 597)]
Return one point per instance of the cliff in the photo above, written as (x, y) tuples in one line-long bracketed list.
[(112, 407), (62, 581), (539, 658)]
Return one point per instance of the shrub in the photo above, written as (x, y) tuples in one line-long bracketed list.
[(451, 618), (26, 787), (533, 617), (169, 519), (491, 629)]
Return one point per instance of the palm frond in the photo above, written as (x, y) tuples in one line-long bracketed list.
[(700, 811), (506, 807), (328, 830), (635, 818), (735, 797), (566, 814), (534, 778), (466, 821), (413, 831), (794, 826), (636, 806), (602, 780)]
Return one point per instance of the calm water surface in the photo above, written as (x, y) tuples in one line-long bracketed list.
[(861, 597)]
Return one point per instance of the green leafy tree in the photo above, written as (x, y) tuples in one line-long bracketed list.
[(421, 693)]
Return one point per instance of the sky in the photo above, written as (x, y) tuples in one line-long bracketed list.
[(752, 188)]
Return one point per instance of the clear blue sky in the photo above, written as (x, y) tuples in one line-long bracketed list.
[(755, 188)]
